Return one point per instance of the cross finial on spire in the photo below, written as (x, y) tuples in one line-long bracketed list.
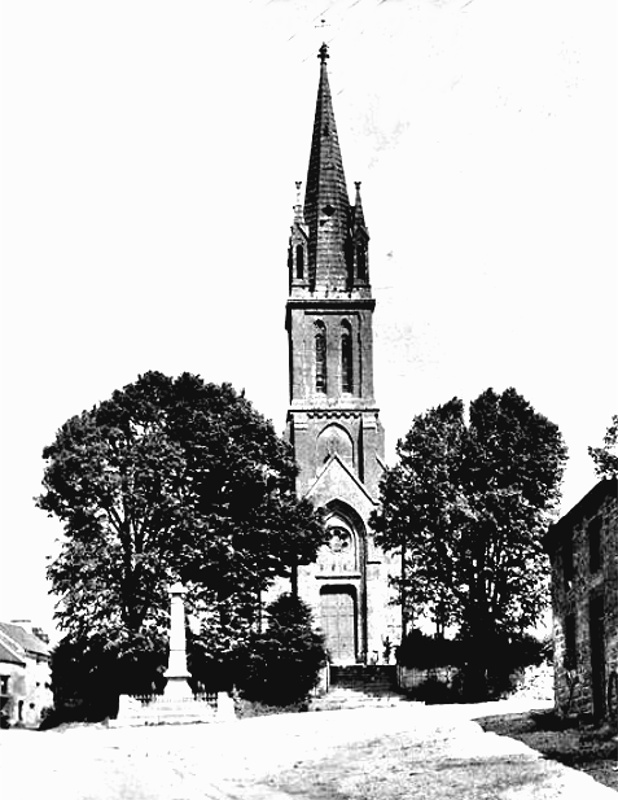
[(323, 53)]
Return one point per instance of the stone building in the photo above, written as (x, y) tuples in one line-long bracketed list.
[(583, 548), (333, 422), (24, 675)]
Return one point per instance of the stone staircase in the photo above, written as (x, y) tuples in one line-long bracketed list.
[(360, 686)]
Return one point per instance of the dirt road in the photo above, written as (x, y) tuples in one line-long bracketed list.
[(409, 751)]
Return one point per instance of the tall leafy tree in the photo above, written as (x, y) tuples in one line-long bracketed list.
[(606, 457), (467, 504), (423, 509), (170, 478)]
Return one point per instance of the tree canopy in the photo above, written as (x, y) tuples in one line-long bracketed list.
[(171, 479), (606, 457), (467, 504)]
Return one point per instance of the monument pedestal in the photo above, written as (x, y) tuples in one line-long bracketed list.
[(163, 710), (177, 688), (177, 705)]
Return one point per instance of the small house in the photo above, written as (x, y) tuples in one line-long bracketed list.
[(24, 675)]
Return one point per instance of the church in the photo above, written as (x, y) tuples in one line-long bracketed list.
[(333, 423)]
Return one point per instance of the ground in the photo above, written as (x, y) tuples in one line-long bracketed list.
[(592, 751), (408, 751)]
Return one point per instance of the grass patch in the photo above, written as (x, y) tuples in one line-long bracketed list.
[(246, 709), (594, 751)]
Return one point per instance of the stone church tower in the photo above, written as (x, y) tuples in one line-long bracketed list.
[(333, 423)]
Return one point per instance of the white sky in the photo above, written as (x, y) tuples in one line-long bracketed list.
[(149, 153)]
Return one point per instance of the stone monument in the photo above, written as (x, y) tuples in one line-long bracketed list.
[(177, 704), (177, 674)]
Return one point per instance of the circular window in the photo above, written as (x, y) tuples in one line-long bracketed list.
[(340, 540)]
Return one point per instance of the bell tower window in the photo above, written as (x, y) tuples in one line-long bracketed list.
[(346, 358), (361, 261), (320, 357), (300, 261)]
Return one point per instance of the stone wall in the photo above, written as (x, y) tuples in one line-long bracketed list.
[(410, 678), (583, 548)]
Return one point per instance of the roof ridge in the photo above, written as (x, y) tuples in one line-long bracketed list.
[(30, 642)]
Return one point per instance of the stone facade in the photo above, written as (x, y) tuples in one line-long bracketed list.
[(333, 422), (583, 548)]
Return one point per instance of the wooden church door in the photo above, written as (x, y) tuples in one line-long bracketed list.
[(338, 622)]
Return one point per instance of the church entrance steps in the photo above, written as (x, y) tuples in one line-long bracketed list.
[(337, 699), (370, 678), (360, 686)]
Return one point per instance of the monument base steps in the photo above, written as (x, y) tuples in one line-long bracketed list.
[(163, 710)]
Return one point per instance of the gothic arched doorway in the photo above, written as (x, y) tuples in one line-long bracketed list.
[(338, 618)]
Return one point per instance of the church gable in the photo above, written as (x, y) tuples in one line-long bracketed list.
[(337, 482)]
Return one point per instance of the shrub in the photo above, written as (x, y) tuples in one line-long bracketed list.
[(49, 718), (280, 666), (509, 658), (420, 651), (88, 677)]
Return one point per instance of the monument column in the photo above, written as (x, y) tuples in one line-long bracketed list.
[(177, 673)]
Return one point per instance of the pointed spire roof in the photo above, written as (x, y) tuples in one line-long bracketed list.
[(327, 206), (298, 206), (358, 216)]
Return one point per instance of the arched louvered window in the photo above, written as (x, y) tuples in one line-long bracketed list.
[(300, 261), (361, 261), (346, 358), (320, 357)]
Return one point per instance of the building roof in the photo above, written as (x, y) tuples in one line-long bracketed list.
[(586, 507), (8, 656), (329, 232), (30, 643), (327, 206)]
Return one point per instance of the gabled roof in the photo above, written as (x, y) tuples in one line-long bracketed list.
[(586, 507), (9, 656), (30, 643), (334, 469)]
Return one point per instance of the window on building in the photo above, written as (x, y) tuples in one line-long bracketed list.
[(346, 358), (361, 261), (320, 357), (567, 559), (570, 648), (594, 544), (300, 261), (4, 684)]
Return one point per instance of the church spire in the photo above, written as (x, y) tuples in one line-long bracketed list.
[(333, 423), (327, 206)]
